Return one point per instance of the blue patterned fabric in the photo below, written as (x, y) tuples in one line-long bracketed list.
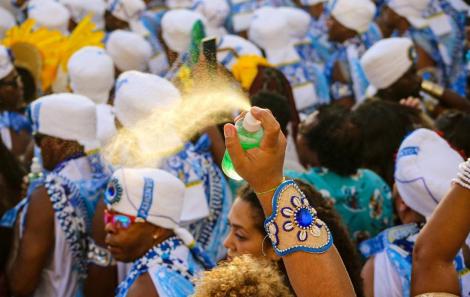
[(316, 48), (211, 231), (348, 56), (363, 200), (174, 273), (93, 189), (398, 243), (158, 63), (15, 121), (240, 7), (71, 213)]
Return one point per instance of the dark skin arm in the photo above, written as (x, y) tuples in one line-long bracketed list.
[(339, 77), (453, 100), (438, 244), (143, 287), (36, 246), (101, 281)]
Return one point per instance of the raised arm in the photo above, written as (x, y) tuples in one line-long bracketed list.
[(439, 242), (310, 274)]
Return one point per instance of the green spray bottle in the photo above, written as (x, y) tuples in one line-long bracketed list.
[(250, 134)]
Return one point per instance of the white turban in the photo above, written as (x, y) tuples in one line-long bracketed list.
[(91, 72), (270, 31), (50, 14), (139, 94), (356, 15), (152, 195), (6, 65), (412, 10), (424, 169), (7, 21), (126, 10), (177, 26), (215, 13), (298, 21), (129, 50), (231, 47), (177, 4), (65, 116), (387, 61), (79, 9)]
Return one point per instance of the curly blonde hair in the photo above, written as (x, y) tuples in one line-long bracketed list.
[(244, 276)]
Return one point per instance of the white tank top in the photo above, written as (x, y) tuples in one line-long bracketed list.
[(58, 279)]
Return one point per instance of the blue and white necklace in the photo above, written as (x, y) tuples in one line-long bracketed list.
[(160, 254)]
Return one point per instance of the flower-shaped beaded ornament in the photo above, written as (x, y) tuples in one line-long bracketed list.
[(294, 224)]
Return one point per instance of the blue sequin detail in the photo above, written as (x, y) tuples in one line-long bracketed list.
[(304, 217)]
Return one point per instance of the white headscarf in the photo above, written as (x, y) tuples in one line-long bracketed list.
[(138, 94), (425, 167), (79, 9), (177, 25), (129, 50), (7, 21), (6, 65), (232, 46), (356, 15), (50, 14), (215, 13), (412, 10), (387, 61), (298, 21), (91, 72), (65, 116)]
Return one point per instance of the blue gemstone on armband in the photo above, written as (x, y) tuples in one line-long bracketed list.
[(304, 217)]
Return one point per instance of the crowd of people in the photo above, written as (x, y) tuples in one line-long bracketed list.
[(358, 186)]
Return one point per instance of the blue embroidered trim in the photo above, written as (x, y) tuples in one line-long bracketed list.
[(303, 232), (161, 254), (408, 151), (146, 199), (70, 211)]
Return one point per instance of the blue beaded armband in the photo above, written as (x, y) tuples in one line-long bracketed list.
[(294, 225)]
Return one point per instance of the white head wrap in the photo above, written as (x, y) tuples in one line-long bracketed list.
[(7, 21), (387, 61), (424, 170), (91, 72), (215, 13), (126, 10), (270, 31), (129, 50), (65, 116), (138, 94), (50, 14), (177, 26), (6, 65), (298, 21), (230, 44), (412, 10), (355, 15), (79, 9), (178, 4), (153, 195)]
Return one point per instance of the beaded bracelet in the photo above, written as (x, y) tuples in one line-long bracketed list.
[(294, 225)]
